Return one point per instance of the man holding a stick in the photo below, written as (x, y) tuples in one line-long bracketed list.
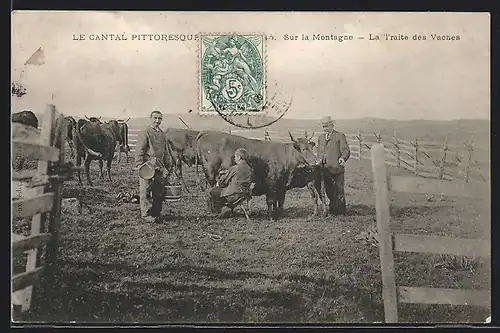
[(333, 153)]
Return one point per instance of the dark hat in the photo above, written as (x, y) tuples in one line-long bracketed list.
[(327, 120)]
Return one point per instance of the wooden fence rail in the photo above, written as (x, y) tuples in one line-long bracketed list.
[(415, 155), (32, 200), (420, 243)]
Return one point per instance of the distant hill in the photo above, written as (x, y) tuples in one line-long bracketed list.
[(458, 130)]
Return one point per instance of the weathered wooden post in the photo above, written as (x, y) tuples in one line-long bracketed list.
[(443, 157), (415, 167), (360, 141), (55, 216), (470, 150), (398, 152), (36, 221)]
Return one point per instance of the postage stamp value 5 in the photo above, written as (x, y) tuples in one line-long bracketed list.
[(232, 74)]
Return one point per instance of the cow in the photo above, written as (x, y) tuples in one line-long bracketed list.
[(182, 147), (309, 176), (28, 118), (96, 141), (274, 163), (25, 117), (123, 142)]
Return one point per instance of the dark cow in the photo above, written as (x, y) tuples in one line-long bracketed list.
[(96, 141), (25, 117), (123, 146), (182, 147), (28, 118), (274, 163)]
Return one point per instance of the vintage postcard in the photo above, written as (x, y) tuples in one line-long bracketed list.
[(250, 167)]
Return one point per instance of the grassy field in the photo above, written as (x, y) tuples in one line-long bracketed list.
[(115, 267)]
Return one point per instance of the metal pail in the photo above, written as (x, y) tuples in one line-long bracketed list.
[(146, 171)]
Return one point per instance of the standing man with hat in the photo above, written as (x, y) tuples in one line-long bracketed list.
[(333, 152), (151, 148)]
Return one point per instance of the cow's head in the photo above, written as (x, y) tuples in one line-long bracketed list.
[(94, 119), (115, 127), (305, 147)]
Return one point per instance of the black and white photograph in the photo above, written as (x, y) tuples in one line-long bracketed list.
[(250, 167)]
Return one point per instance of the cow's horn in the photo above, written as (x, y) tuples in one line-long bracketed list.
[(312, 136), (99, 118), (127, 120), (291, 137), (87, 117)]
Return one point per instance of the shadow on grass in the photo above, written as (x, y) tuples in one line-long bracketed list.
[(76, 296), (415, 210)]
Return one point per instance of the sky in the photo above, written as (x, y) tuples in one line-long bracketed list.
[(401, 79)]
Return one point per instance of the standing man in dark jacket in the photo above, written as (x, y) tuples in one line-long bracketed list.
[(233, 185), (333, 152), (152, 147)]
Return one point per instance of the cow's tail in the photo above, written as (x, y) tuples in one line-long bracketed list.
[(90, 151), (197, 157)]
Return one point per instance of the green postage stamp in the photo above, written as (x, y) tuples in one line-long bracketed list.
[(232, 74)]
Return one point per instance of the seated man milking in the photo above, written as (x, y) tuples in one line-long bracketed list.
[(233, 185)]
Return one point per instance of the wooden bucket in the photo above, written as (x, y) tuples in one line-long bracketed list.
[(173, 192)]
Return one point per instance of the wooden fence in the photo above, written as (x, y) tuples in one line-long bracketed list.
[(423, 158), (420, 243), (31, 200)]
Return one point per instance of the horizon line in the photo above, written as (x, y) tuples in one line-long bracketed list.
[(292, 119)]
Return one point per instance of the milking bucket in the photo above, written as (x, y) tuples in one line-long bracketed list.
[(173, 192), (146, 171)]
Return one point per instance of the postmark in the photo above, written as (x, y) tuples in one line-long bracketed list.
[(276, 106), (232, 74)]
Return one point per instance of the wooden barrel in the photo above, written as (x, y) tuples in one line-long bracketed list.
[(173, 192)]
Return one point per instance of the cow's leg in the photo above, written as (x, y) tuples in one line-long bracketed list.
[(271, 206), (108, 167), (88, 160), (314, 197), (78, 164), (119, 155), (179, 167), (280, 202), (101, 164)]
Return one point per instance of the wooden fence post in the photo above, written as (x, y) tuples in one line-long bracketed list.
[(398, 152), (443, 158), (55, 216), (360, 141), (415, 167), (470, 150), (389, 290), (36, 221)]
